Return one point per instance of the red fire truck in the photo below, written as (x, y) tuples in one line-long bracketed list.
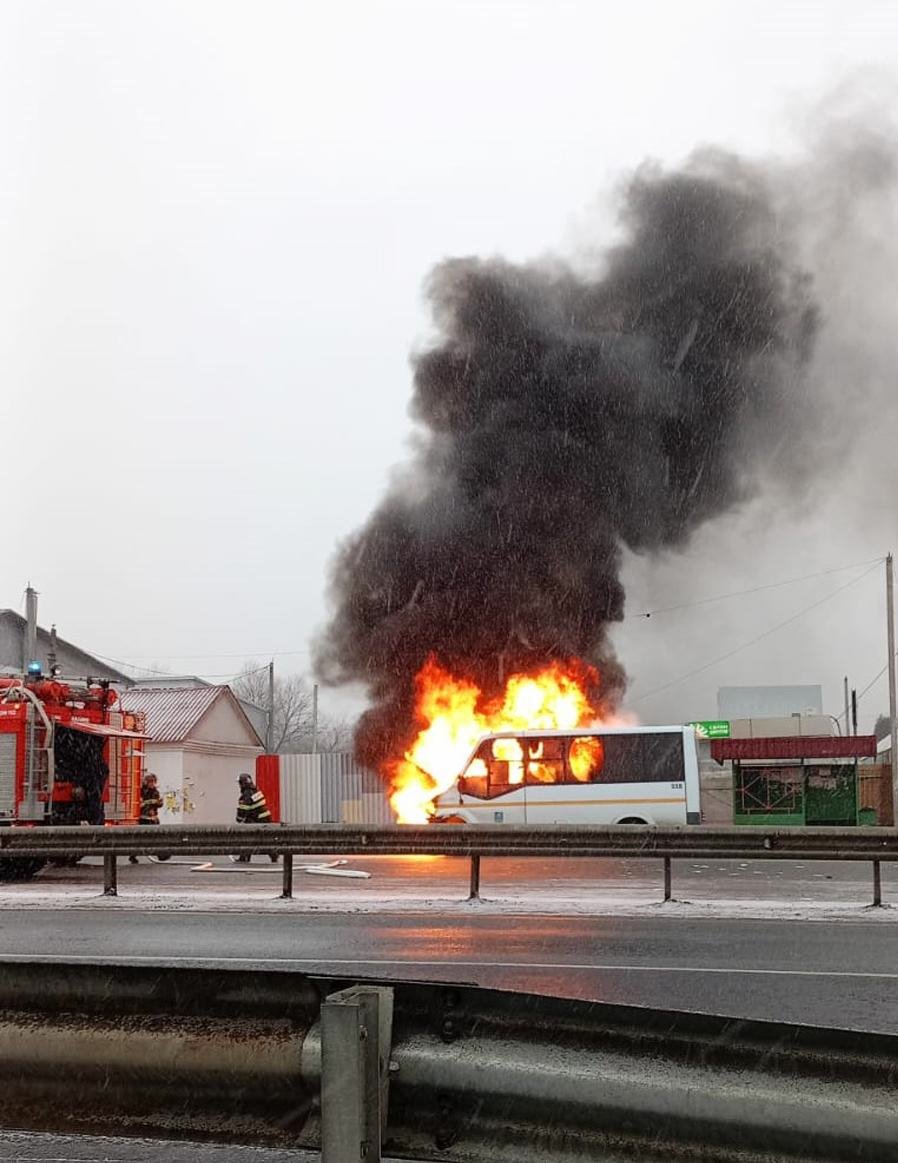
[(67, 756)]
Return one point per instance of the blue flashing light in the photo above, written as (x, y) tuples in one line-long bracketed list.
[(34, 669)]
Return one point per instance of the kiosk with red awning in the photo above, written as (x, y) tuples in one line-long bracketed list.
[(795, 779)]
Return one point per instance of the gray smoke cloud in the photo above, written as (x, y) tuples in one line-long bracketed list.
[(826, 496), (567, 414)]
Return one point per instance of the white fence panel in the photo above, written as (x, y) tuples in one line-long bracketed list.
[(300, 780), (331, 788)]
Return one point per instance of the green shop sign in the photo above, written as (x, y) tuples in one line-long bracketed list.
[(712, 729)]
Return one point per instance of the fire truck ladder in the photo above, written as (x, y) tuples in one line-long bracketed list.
[(39, 760)]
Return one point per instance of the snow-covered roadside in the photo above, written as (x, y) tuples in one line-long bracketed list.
[(342, 899)]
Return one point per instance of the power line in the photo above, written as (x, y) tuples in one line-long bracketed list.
[(759, 637), (133, 666), (152, 672), (633, 617), (230, 654), (873, 681), (753, 590)]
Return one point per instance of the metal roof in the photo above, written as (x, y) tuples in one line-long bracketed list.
[(98, 668), (795, 747), (171, 712)]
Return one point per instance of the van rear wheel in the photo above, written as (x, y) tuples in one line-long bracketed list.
[(633, 820)]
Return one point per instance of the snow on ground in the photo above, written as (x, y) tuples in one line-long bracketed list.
[(630, 902)]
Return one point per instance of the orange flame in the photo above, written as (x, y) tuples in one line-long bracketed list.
[(586, 756), (452, 718)]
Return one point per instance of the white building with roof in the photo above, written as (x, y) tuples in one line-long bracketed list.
[(200, 740)]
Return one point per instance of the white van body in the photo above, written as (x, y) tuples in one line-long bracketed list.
[(638, 775)]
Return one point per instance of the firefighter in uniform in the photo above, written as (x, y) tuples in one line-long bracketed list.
[(150, 803), (252, 808)]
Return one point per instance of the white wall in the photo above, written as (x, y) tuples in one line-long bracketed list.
[(781, 727), (197, 787), (225, 723), (166, 762), (210, 784)]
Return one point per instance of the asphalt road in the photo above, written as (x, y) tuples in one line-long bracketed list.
[(828, 972), (840, 974)]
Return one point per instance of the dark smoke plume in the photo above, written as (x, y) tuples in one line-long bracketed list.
[(566, 415)]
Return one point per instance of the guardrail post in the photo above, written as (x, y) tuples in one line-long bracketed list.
[(474, 893), (287, 891), (667, 895), (877, 884), (110, 875), (356, 1040)]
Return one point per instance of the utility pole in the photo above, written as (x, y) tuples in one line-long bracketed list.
[(893, 726), (853, 711), (315, 718), (51, 653), (30, 646), (847, 719), (269, 735)]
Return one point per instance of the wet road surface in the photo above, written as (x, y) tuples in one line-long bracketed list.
[(839, 974)]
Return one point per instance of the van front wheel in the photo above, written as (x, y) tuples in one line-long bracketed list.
[(633, 820)]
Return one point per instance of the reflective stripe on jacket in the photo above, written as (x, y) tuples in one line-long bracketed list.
[(150, 803), (252, 808)]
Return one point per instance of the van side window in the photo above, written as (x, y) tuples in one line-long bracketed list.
[(506, 766), (497, 768), (642, 758), (476, 774), (545, 761), (586, 759)]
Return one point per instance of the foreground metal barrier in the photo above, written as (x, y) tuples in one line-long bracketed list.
[(428, 1072), (23, 845)]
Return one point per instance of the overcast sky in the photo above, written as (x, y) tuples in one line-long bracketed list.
[(215, 221)]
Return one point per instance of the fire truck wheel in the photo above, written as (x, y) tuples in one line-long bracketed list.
[(20, 868), (64, 861)]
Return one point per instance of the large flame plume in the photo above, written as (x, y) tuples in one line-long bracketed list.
[(452, 714)]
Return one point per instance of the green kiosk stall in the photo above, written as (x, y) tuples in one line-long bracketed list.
[(797, 780)]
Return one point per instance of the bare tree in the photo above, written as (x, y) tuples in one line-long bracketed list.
[(292, 711), (334, 734)]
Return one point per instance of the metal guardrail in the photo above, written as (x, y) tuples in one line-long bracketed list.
[(472, 842), (428, 1072)]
